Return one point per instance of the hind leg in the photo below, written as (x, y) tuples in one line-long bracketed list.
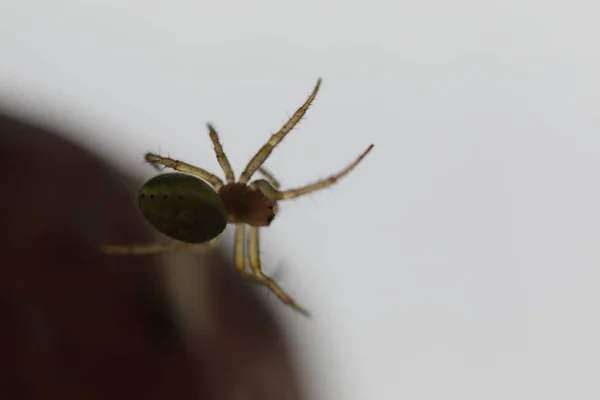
[(157, 248)]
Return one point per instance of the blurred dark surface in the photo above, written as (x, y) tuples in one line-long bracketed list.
[(77, 324)]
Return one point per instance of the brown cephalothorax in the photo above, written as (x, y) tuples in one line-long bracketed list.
[(245, 203)]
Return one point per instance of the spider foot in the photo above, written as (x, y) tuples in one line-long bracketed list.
[(264, 280)]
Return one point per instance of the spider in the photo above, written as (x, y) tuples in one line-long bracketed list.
[(191, 210)]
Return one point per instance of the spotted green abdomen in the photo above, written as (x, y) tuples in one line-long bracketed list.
[(183, 207)]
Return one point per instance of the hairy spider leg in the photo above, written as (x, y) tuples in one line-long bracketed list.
[(272, 180), (255, 265), (275, 194), (221, 157), (261, 156), (239, 252), (257, 276), (181, 166), (157, 248)]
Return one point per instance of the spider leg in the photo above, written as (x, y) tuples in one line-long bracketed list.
[(293, 193), (274, 182), (264, 279), (181, 166), (221, 157), (147, 249), (264, 152), (141, 249), (201, 248), (239, 249)]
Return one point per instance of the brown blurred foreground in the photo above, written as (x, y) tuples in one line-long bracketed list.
[(77, 324)]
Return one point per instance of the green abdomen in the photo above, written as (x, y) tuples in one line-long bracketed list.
[(183, 207)]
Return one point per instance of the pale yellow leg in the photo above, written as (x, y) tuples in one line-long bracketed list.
[(272, 180), (253, 249), (239, 248), (221, 157), (239, 253), (181, 166), (157, 248), (275, 194), (260, 157), (141, 249), (201, 248)]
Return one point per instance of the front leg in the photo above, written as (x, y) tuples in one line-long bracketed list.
[(181, 166)]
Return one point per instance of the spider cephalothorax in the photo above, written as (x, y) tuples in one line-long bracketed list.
[(194, 212), (248, 205)]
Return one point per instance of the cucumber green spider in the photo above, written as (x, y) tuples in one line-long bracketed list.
[(192, 211)]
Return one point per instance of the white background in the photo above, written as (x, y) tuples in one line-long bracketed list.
[(461, 260)]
